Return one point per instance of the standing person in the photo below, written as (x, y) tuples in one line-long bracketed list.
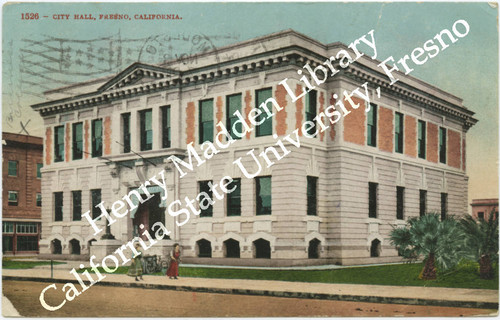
[(135, 269), (175, 258)]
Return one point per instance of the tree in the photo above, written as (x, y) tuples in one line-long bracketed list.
[(481, 242), (428, 236)]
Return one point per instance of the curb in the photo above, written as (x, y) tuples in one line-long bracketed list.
[(280, 294)]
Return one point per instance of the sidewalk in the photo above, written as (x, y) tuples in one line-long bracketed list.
[(449, 297)]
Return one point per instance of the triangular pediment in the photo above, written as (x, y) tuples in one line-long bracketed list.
[(135, 74)]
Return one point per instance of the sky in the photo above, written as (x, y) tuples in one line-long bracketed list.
[(46, 53)]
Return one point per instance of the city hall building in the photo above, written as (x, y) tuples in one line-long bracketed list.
[(334, 200)]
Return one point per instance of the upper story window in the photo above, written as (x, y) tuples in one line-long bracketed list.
[(8, 227), (263, 192), (400, 203), (39, 167), (371, 126), (311, 107), (312, 198), (38, 199), (126, 132), (442, 145), (233, 104), (12, 170), (95, 196), (59, 144), (76, 198), (13, 198), (206, 209), (234, 199), (480, 215), (58, 206), (206, 121), (27, 227), (266, 127), (421, 139), (166, 138), (146, 121), (372, 199), (398, 132), (77, 141), (444, 205), (96, 138)]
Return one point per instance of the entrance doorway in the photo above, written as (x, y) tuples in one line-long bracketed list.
[(148, 213)]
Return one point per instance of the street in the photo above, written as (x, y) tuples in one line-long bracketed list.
[(103, 301)]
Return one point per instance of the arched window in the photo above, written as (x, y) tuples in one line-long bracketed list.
[(313, 251), (232, 248), (56, 246), (262, 249), (204, 248), (375, 248), (74, 246)]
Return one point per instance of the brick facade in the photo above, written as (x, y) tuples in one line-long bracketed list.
[(190, 121), (454, 155), (281, 125), (355, 123), (432, 142), (385, 129), (410, 133)]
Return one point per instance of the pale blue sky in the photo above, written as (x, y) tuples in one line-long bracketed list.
[(468, 69)]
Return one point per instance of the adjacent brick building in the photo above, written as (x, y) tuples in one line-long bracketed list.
[(483, 208), (21, 192), (333, 200)]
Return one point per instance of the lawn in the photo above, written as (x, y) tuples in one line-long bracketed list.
[(17, 264), (463, 276)]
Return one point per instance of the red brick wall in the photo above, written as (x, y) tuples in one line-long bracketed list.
[(385, 129), (248, 108), (107, 135), (332, 128), (281, 125), (190, 111), (410, 136), (299, 107), (454, 155), (432, 142), (463, 155), (321, 109), (354, 123), (48, 146), (219, 114)]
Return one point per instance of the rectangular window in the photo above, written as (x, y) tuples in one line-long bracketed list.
[(12, 168), (423, 202), (312, 199), (27, 227), (59, 144), (480, 215), (76, 198), (234, 198), (444, 205), (8, 227), (266, 127), (421, 139), (13, 198), (442, 145), (27, 243), (206, 121), (372, 199), (38, 199), (58, 206), (96, 138), (400, 203), (311, 107), (166, 138), (372, 126), (205, 207), (233, 104), (95, 195), (39, 166), (263, 192), (77, 141), (398, 132), (146, 121), (126, 132)]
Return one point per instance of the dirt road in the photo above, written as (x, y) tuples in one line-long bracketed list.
[(101, 301)]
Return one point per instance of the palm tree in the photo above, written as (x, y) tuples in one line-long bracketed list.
[(432, 238), (481, 242)]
